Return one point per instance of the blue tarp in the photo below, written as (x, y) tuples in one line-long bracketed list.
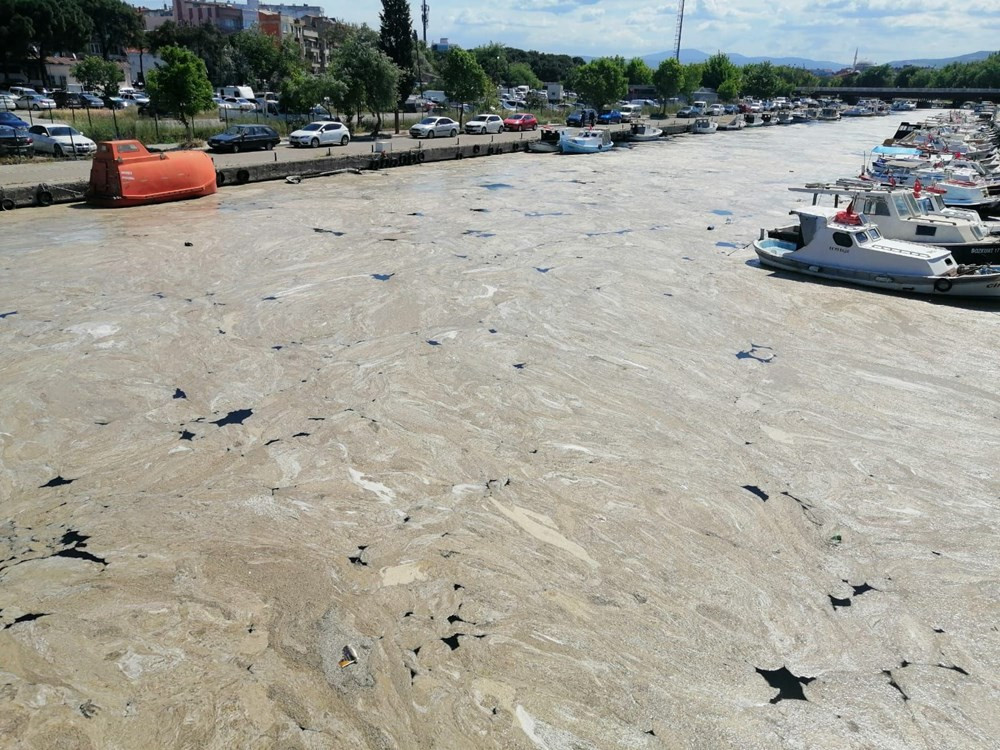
[(896, 151)]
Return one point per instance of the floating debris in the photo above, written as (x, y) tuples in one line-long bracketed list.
[(349, 657)]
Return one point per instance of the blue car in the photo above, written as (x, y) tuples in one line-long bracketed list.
[(7, 118), (609, 116), (581, 118)]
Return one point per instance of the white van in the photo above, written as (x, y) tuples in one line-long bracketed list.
[(244, 92), (630, 112)]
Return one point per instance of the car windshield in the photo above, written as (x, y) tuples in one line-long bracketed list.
[(235, 130), (517, 117), (64, 130), (428, 121), (478, 118), (313, 126)]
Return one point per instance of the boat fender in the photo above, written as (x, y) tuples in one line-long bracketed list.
[(475, 149), (373, 165), (220, 179), (458, 154), (242, 176), (6, 204), (44, 197), (421, 156), (942, 285)]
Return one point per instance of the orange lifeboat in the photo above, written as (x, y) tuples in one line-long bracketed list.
[(124, 173)]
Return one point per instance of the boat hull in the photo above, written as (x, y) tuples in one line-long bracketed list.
[(969, 286), (971, 254), (125, 174)]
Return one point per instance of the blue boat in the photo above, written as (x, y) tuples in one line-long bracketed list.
[(588, 141)]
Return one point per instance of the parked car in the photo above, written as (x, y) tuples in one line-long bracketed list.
[(74, 100), (116, 102), (245, 137), (484, 124), (630, 112), (36, 102), (7, 102), (581, 117), (58, 139), (238, 102), (6, 118), (134, 96), (609, 116), (715, 110), (430, 127), (731, 109), (521, 121), (320, 134), (687, 112), (15, 141)]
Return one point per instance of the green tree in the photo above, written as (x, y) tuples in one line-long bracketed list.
[(463, 78), (601, 82), (668, 80), (492, 58), (370, 79), (205, 40), (691, 80), (16, 32), (760, 80), (117, 24), (878, 75), (96, 73), (521, 74), (717, 69), (729, 90), (180, 85), (638, 73), (396, 41), (57, 24)]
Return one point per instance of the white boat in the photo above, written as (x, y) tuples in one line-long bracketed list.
[(642, 133), (704, 126), (829, 114), (844, 246), (737, 123), (587, 141), (753, 119), (785, 118), (916, 215)]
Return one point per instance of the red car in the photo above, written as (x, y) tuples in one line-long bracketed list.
[(521, 121)]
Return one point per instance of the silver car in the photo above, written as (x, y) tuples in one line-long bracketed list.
[(36, 102), (430, 127)]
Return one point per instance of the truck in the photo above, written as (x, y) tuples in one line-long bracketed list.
[(238, 91)]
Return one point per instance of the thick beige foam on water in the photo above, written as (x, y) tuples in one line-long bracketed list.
[(498, 440)]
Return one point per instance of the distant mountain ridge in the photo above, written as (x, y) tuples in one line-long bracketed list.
[(696, 55)]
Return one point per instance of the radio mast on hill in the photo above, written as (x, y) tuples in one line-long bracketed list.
[(680, 26), (425, 12)]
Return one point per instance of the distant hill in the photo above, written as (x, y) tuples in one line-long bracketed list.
[(924, 63), (696, 55)]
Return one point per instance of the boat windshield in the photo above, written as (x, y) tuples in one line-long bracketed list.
[(902, 207)]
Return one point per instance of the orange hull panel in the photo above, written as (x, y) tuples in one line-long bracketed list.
[(125, 174)]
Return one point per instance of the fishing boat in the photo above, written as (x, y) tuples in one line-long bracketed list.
[(916, 215), (829, 114), (548, 141), (642, 133), (737, 123), (785, 118), (704, 126), (587, 141), (124, 173), (845, 246)]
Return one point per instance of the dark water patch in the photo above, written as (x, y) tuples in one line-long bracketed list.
[(492, 330), (185, 435), (408, 614), (415, 213), (26, 618), (727, 244), (7, 314), (520, 365), (452, 619), (221, 332), (497, 186), (452, 641), (893, 683), (178, 393), (389, 239), (763, 354), (101, 422), (904, 664), (272, 440), (56, 482), (721, 212), (650, 732), (755, 490), (269, 298), (684, 257), (463, 257), (234, 417), (788, 685), (80, 554), (478, 233), (433, 342), (936, 554), (862, 589), (300, 434), (954, 668), (457, 586), (543, 270), (277, 347), (938, 630), (334, 232), (619, 232), (839, 603), (537, 214), (316, 419), (356, 559), (158, 295), (382, 276), (480, 210)]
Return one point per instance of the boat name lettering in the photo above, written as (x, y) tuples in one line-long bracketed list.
[(993, 285), (840, 249)]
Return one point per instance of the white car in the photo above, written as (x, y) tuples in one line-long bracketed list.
[(36, 102), (716, 110), (60, 139), (430, 127), (7, 102), (484, 124), (134, 96), (238, 102), (321, 134)]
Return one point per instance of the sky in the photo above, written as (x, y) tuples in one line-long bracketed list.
[(883, 30)]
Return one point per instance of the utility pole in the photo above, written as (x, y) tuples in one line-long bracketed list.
[(680, 26), (425, 14)]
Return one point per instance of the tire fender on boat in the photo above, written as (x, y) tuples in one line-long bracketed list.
[(421, 156), (6, 204), (242, 176), (475, 149), (942, 285), (43, 196), (220, 179)]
